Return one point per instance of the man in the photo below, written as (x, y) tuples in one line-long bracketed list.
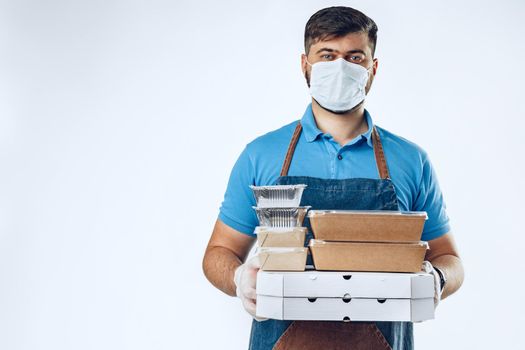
[(347, 163)]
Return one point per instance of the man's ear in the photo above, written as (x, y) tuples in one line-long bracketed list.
[(375, 64), (303, 63)]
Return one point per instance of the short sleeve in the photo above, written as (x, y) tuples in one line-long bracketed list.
[(236, 210), (430, 199)]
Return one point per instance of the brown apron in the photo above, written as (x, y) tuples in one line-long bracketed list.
[(333, 335)]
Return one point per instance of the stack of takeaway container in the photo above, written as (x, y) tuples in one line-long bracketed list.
[(280, 234), (367, 268)]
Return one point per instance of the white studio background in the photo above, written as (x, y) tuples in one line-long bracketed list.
[(120, 122)]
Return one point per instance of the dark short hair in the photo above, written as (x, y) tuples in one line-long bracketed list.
[(338, 21)]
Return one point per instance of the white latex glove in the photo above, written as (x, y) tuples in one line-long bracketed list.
[(245, 278), (428, 268)]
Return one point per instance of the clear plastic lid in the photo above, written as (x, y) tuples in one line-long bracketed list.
[(313, 213), (281, 217), (278, 195), (278, 187), (319, 242), (270, 229), (281, 249), (282, 209)]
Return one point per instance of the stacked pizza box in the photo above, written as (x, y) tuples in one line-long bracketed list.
[(280, 234), (345, 296), (367, 267)]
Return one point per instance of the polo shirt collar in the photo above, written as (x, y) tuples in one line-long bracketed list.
[(310, 129), (312, 132)]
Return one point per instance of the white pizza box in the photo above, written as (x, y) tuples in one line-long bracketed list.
[(345, 309), (337, 284)]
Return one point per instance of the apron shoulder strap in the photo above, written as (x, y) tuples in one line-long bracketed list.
[(379, 155), (291, 149), (378, 152)]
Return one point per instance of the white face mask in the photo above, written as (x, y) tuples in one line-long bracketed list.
[(338, 85)]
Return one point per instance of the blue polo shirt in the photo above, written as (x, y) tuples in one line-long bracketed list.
[(318, 155)]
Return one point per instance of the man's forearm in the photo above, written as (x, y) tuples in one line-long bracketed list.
[(219, 265), (452, 267)]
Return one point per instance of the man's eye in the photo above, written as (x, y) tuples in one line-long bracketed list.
[(356, 58), (326, 57)]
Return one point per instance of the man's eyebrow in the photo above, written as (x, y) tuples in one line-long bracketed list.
[(332, 50), (356, 51), (326, 49)]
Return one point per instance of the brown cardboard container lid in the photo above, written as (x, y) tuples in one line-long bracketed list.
[(367, 225), (283, 259), (368, 256), (280, 236)]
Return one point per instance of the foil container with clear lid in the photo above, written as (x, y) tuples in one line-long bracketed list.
[(278, 196), (281, 217)]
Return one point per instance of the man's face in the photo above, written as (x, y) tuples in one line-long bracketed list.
[(353, 47)]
